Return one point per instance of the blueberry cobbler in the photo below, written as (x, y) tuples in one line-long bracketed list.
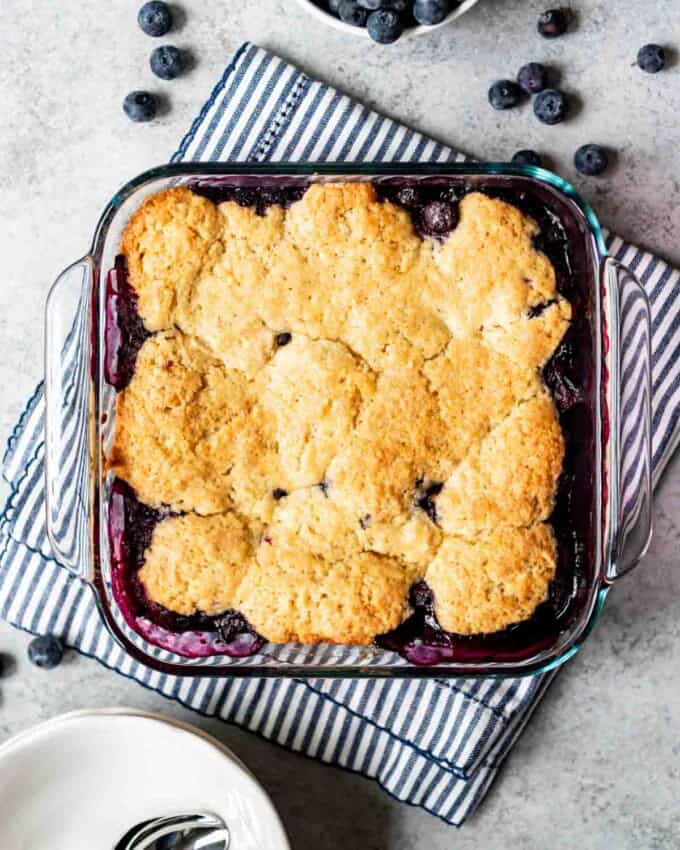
[(333, 422)]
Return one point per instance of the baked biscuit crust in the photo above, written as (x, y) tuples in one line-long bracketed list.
[(338, 407)]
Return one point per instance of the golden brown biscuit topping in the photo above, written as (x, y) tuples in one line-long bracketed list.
[(340, 408)]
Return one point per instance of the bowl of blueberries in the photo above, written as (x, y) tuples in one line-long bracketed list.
[(385, 21)]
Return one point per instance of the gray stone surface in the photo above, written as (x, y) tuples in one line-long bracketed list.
[(599, 766)]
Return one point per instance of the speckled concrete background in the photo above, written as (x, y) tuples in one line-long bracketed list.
[(599, 767)]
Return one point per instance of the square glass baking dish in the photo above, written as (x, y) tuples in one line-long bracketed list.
[(607, 504)]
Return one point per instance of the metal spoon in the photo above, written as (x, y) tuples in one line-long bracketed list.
[(201, 831)]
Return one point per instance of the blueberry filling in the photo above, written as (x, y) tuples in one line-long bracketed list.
[(125, 332), (561, 375), (259, 197), (131, 526), (278, 494), (568, 375)]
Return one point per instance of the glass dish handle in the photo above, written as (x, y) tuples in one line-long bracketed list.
[(630, 459), (67, 416)]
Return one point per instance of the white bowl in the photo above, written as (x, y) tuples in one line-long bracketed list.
[(80, 781), (336, 23)]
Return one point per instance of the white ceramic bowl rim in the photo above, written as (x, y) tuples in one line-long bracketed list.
[(321, 15)]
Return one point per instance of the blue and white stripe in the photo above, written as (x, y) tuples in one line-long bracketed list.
[(436, 744)]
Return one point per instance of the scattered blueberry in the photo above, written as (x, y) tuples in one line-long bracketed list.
[(384, 26), (551, 106), (283, 339), (372, 5), (278, 493), (140, 106), (591, 160), (439, 217), (504, 94), (651, 58), (155, 18), (430, 12), (351, 12), (398, 5), (334, 6), (46, 652), (552, 23), (532, 77), (166, 62), (527, 157)]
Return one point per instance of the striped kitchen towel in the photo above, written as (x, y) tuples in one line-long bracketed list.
[(435, 744)]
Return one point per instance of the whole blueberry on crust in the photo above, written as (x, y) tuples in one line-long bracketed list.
[(439, 218)]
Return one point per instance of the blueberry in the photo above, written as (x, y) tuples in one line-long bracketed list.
[(166, 62), (425, 501), (532, 77), (279, 493), (420, 595), (450, 194), (439, 217), (46, 652), (651, 58), (140, 106), (504, 94), (399, 5), (231, 624), (429, 12), (351, 12), (551, 106), (552, 23), (591, 160), (155, 18), (372, 5), (283, 339), (334, 6), (408, 196), (527, 157), (384, 26), (6, 663)]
